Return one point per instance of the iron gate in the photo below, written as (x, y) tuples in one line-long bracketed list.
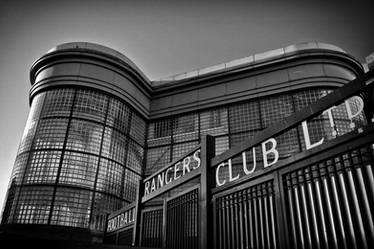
[(322, 197)]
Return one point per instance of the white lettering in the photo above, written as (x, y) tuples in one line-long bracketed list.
[(166, 176), (246, 171), (230, 173), (217, 175), (186, 164), (160, 179), (153, 185), (307, 138), (359, 102), (196, 156), (146, 189), (265, 152), (176, 169)]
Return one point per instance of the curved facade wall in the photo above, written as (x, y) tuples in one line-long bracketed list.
[(97, 124), (80, 157)]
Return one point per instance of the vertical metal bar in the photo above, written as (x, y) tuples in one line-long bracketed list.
[(330, 213), (241, 216), (237, 218), (299, 218), (262, 228), (308, 178), (189, 220), (357, 209), (255, 200), (250, 216), (314, 214), (267, 217), (207, 153), (274, 235), (306, 212), (338, 211), (245, 218), (366, 205), (348, 215), (232, 230), (370, 177), (316, 180), (163, 229), (298, 208), (291, 210), (301, 184)]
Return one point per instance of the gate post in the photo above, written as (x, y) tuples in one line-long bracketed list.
[(207, 153), (138, 201)]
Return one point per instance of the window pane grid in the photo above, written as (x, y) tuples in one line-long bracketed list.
[(34, 205), (90, 105), (71, 207), (50, 133), (180, 149), (118, 115), (114, 145), (42, 167), (137, 131), (84, 136), (135, 156), (245, 116), (130, 185), (214, 122), (58, 102), (78, 169), (110, 177)]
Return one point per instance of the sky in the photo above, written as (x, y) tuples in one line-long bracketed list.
[(162, 38)]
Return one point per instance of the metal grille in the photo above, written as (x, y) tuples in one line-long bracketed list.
[(152, 228), (330, 204), (182, 221), (125, 237), (246, 218)]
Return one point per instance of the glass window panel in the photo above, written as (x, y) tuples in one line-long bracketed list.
[(137, 130), (58, 102), (244, 117), (42, 167), (19, 168), (306, 97), (275, 109), (28, 136), (72, 207), (78, 169), (90, 104), (186, 128), (214, 122), (159, 132), (222, 144), (114, 145), (109, 179), (130, 185), (84, 136), (34, 205), (135, 156), (118, 115), (181, 149), (51, 133), (157, 158)]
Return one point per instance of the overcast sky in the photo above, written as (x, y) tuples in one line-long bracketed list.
[(162, 38)]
